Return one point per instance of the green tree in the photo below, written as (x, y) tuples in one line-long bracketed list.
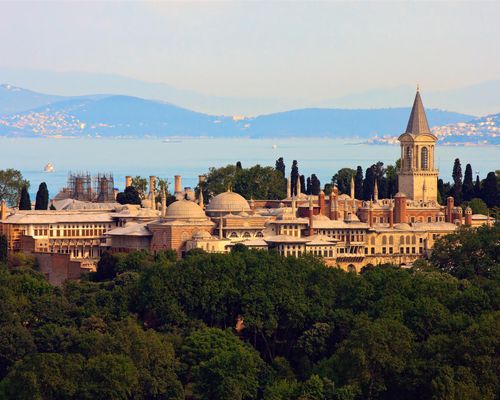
[(11, 184), (109, 376), (315, 185), (342, 179), (24, 199), (280, 166), (457, 182), (468, 185), (141, 185), (129, 196), (489, 191), (469, 252), (3, 248), (294, 175), (42, 197), (222, 366), (358, 183), (369, 183), (478, 206)]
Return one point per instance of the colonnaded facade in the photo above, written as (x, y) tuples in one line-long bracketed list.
[(344, 231)]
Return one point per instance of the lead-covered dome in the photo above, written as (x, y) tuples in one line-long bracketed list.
[(228, 202), (185, 209)]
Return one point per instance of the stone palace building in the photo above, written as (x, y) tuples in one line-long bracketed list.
[(346, 232)]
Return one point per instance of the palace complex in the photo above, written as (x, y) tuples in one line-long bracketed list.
[(346, 232)]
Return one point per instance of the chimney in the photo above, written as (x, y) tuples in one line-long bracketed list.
[(3, 211), (163, 202), (251, 203), (294, 207), (201, 184), (352, 187), (345, 210), (311, 215), (450, 204), (178, 184), (152, 190), (298, 188), (400, 208), (375, 191), (370, 214), (288, 188), (128, 181), (321, 200), (391, 216), (468, 216)]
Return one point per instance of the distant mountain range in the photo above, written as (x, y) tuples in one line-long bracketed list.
[(24, 113), (477, 99)]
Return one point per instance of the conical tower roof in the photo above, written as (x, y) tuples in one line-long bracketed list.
[(417, 124)]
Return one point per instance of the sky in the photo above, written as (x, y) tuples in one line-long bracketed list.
[(307, 50)]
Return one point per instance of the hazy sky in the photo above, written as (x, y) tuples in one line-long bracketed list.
[(281, 49)]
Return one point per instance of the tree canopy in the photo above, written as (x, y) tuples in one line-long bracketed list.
[(11, 184), (255, 325)]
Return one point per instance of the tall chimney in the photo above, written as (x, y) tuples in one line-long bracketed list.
[(178, 184), (321, 200), (468, 216), (152, 191), (128, 181), (370, 214), (3, 211), (450, 204), (298, 189), (288, 188), (400, 207), (311, 215), (391, 216), (163, 202)]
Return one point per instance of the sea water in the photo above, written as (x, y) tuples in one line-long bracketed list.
[(192, 157)]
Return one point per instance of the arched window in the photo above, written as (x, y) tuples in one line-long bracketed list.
[(384, 241), (234, 235), (408, 157), (351, 268), (259, 234), (424, 158), (246, 235)]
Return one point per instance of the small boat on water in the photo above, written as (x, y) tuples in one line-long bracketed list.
[(48, 168)]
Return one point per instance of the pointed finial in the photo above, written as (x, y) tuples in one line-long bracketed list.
[(418, 87)]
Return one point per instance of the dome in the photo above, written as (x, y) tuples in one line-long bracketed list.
[(400, 194), (228, 202), (201, 235), (403, 226), (185, 209)]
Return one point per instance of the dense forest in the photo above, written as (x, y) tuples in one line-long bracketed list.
[(256, 325)]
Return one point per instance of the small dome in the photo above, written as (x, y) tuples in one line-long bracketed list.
[(185, 209), (228, 202), (201, 235), (403, 226)]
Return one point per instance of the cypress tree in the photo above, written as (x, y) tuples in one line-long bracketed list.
[(468, 186), (24, 201), (302, 184), (129, 196), (280, 166), (368, 183), (293, 176), (238, 165), (315, 185), (308, 186), (457, 182), (358, 183), (441, 191), (490, 190), (42, 197), (477, 187)]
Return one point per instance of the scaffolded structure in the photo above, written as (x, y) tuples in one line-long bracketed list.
[(83, 187), (104, 188), (80, 186)]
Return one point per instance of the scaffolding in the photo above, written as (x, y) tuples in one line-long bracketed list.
[(104, 188), (82, 186)]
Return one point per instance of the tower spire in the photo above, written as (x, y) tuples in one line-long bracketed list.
[(417, 124)]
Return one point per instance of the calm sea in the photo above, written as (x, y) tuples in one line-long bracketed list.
[(192, 157)]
